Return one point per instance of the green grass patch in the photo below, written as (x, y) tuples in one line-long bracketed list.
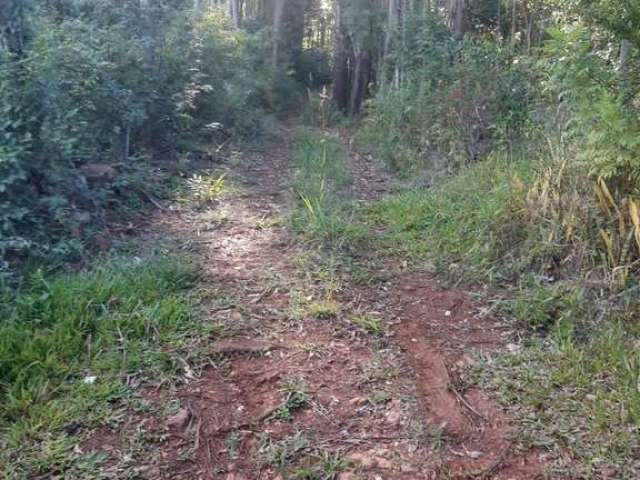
[(451, 223), (318, 183), (68, 343), (579, 391)]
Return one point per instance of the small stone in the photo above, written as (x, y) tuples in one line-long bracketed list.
[(474, 454), (513, 347), (358, 401), (365, 460), (235, 476), (393, 418), (407, 468), (180, 419)]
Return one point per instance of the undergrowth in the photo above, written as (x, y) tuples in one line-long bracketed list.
[(71, 346), (577, 394), (531, 228)]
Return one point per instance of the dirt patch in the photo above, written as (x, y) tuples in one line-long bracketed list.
[(285, 394), (439, 329)]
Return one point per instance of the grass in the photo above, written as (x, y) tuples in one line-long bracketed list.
[(296, 397), (318, 182), (70, 342), (452, 222), (575, 390), (369, 323), (577, 395), (297, 456)]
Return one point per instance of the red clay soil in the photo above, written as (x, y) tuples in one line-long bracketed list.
[(389, 408), (438, 329)]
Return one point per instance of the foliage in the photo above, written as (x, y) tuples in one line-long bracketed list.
[(606, 111), (319, 179), (458, 100), (69, 341), (100, 91)]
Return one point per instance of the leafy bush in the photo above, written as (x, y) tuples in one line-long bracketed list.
[(459, 100), (604, 102), (95, 92)]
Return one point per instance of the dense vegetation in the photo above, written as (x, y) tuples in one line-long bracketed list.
[(518, 122)]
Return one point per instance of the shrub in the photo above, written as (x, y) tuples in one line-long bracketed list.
[(457, 101)]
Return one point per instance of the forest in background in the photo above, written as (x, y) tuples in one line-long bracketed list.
[(517, 123)]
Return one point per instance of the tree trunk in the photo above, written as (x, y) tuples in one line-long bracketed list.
[(277, 24), (341, 72), (360, 81), (514, 20), (456, 16), (235, 13)]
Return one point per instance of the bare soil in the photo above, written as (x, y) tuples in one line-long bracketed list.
[(390, 406)]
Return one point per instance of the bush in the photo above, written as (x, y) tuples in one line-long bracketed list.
[(458, 100), (94, 93)]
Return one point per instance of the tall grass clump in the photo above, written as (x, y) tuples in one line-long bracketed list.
[(318, 183)]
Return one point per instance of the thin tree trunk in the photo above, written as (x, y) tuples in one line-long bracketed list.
[(514, 20), (235, 13), (277, 21), (392, 24), (499, 21), (456, 16), (360, 81)]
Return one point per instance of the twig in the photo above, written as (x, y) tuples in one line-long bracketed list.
[(251, 423), (149, 198), (198, 429), (488, 472), (464, 402)]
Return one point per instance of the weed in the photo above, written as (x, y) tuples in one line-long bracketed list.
[(295, 457), (380, 397), (324, 309), (582, 393), (432, 435), (232, 443), (319, 178), (283, 452), (324, 466), (296, 397), (369, 323), (205, 188)]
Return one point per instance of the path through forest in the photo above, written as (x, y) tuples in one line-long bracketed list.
[(318, 372)]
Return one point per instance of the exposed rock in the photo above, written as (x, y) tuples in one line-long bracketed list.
[(383, 463), (347, 476), (392, 418), (179, 420), (364, 460), (407, 468)]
